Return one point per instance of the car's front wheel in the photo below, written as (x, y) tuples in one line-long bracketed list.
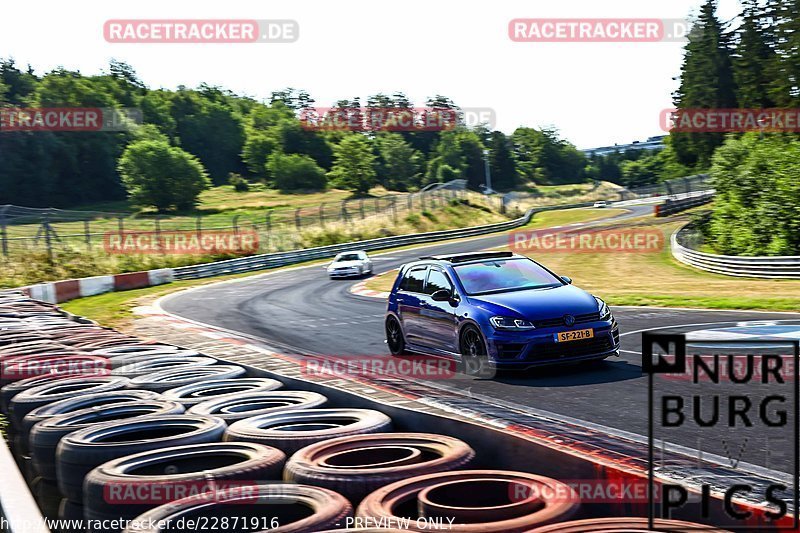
[(394, 337), (474, 357)]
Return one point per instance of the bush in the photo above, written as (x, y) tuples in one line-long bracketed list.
[(239, 183), (157, 174), (296, 172)]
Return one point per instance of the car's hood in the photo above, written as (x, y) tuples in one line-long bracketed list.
[(346, 264), (537, 304)]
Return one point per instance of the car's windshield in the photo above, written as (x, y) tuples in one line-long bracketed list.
[(504, 275), (347, 257)]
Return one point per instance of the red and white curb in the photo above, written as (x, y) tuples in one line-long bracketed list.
[(360, 289), (55, 292)]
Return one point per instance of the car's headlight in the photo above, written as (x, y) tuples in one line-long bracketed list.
[(605, 312), (510, 324)]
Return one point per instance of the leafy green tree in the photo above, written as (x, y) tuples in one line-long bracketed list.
[(296, 172), (211, 131), (501, 162), (399, 163), (753, 58), (157, 174), (757, 206), (353, 167), (707, 81), (783, 35), (544, 158)]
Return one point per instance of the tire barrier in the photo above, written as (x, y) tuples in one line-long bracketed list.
[(291, 430), (628, 525), (45, 436), (12, 389), (47, 495), (216, 389), (70, 513), (293, 508), (81, 451), (138, 348), (134, 484), (258, 403), (357, 465), (59, 389), (473, 501), (176, 377), (152, 364), (70, 405)]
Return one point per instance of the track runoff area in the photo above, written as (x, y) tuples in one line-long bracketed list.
[(712, 409)]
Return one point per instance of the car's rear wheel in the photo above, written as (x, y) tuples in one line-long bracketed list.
[(474, 357), (394, 336)]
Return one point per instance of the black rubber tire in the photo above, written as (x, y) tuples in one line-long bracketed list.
[(374, 461), (395, 339), (324, 509), (28, 400), (22, 367), (244, 406), (127, 359), (474, 358), (153, 364), (12, 389), (84, 401), (83, 450), (47, 496), (292, 430), (45, 435), (69, 513), (140, 348), (215, 389), (177, 377), (112, 489)]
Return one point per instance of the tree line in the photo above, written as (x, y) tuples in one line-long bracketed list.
[(193, 138), (751, 62)]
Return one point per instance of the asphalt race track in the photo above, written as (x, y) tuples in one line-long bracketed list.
[(301, 311)]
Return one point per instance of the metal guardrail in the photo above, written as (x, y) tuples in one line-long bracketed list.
[(775, 267), (688, 201), (272, 260)]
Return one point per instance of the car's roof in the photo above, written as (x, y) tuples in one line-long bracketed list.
[(467, 257)]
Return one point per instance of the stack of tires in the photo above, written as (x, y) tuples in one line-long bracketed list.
[(150, 436)]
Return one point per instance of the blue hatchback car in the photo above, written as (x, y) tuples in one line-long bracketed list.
[(495, 310)]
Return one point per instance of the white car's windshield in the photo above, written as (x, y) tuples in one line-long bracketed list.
[(347, 257)]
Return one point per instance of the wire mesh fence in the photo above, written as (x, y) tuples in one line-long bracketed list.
[(24, 229)]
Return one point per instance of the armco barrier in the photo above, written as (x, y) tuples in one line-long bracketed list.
[(778, 267), (688, 201)]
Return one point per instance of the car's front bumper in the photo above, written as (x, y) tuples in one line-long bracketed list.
[(508, 349), (353, 271)]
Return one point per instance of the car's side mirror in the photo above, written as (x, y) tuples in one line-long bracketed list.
[(442, 295), (567, 280)]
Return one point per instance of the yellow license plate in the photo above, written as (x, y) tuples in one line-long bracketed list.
[(578, 334)]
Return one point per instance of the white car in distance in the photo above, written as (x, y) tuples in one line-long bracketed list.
[(601, 204), (347, 264)]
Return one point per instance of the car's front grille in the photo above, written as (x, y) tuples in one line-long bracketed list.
[(556, 322), (558, 350)]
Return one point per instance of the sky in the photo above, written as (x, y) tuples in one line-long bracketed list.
[(595, 94)]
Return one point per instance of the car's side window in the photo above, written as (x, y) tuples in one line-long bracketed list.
[(437, 280), (414, 280)]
